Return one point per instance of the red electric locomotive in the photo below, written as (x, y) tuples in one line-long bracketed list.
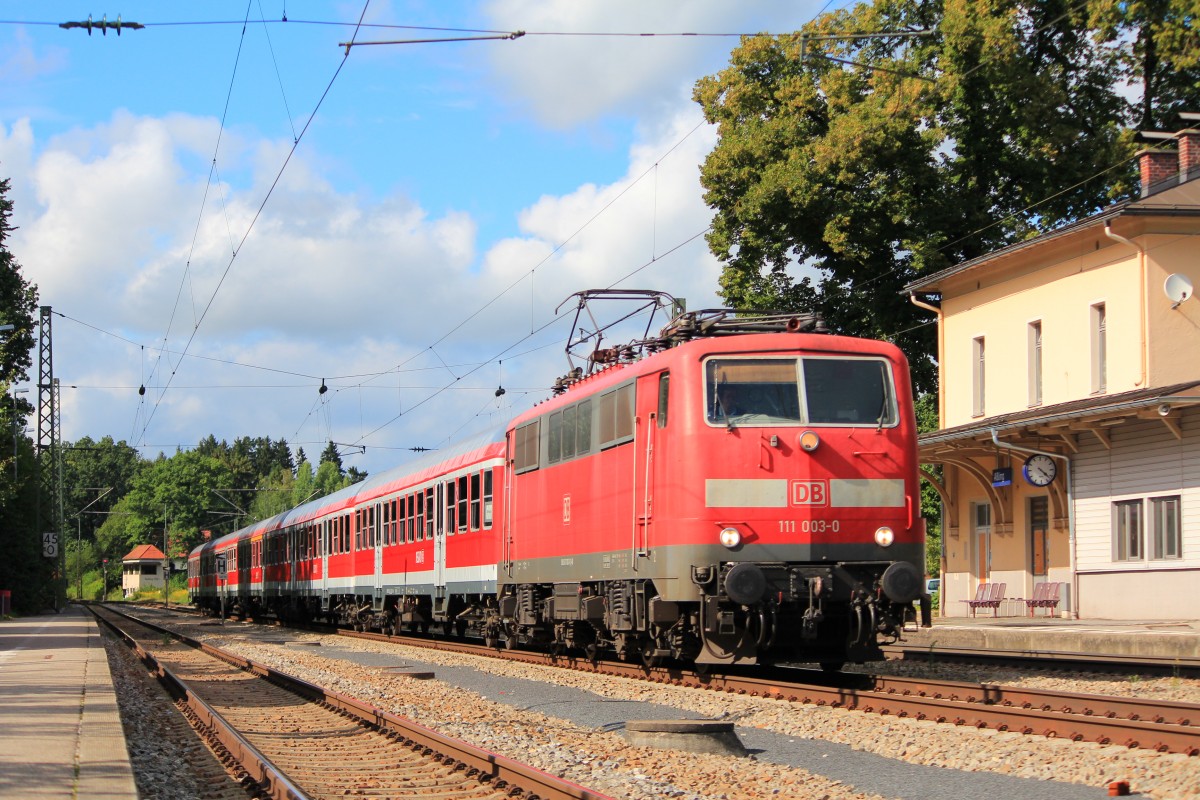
[(737, 489)]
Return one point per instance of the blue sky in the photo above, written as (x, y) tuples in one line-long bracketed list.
[(444, 199)]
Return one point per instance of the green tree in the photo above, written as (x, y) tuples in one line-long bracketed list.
[(330, 455), (180, 492), (23, 569), (847, 166)]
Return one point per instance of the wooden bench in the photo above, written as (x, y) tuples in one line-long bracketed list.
[(1045, 595), (988, 595)]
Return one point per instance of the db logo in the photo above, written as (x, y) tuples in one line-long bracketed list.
[(809, 493), (566, 509)]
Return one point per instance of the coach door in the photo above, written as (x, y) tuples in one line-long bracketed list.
[(439, 541), (323, 545), (377, 539)]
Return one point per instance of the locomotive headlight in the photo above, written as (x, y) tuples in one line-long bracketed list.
[(884, 536), (731, 537), (809, 441)]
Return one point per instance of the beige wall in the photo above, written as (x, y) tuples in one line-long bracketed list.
[(1173, 332), (1061, 298)]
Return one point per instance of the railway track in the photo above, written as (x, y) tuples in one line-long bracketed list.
[(286, 738), (1112, 663), (1163, 726)]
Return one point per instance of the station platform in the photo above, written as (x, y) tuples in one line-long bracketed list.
[(1159, 639), (60, 730)]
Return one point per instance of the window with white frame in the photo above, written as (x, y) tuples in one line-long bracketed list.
[(977, 376), (1035, 363), (1165, 538), (1127, 530), (1099, 330)]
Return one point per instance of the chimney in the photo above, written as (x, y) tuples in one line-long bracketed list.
[(1157, 168), (1189, 147)]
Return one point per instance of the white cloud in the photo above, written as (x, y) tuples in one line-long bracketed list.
[(332, 282), (569, 79)]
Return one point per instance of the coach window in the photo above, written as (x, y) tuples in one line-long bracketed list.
[(476, 500), (487, 498), (346, 521), (429, 512), (462, 503), (449, 507), (409, 519)]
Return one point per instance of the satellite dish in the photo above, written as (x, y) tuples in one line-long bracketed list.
[(1178, 288)]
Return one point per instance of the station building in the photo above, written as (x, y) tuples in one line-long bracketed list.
[(1069, 442)]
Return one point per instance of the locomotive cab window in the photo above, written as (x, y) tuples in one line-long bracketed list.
[(849, 391), (793, 391)]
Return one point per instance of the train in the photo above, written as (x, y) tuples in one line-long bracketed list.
[(736, 489)]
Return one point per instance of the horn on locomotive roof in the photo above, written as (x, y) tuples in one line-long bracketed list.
[(682, 326)]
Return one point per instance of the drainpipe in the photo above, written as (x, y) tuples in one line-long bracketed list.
[(1141, 295), (941, 355), (1070, 509), (941, 424)]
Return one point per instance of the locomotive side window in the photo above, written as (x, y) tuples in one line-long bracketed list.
[(569, 432), (664, 391), (554, 437), (616, 416), (525, 447), (568, 438), (583, 429)]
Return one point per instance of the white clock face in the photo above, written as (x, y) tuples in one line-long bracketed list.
[(1040, 470)]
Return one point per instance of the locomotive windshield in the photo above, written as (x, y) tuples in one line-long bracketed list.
[(795, 391)]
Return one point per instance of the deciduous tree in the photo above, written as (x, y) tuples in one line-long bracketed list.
[(847, 166)]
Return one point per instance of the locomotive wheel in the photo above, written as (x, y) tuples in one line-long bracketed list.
[(649, 659)]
